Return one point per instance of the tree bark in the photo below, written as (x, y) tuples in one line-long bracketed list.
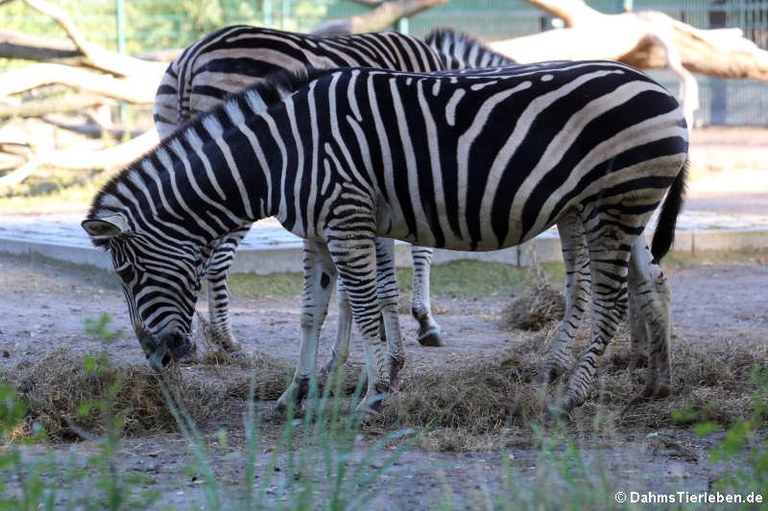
[(84, 157), (14, 45), (138, 90), (641, 39)]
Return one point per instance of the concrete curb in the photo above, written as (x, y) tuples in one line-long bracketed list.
[(285, 255)]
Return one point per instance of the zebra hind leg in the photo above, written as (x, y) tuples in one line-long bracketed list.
[(319, 279), (421, 308), (218, 291), (650, 321), (609, 254), (577, 291)]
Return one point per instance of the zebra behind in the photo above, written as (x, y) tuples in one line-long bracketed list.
[(233, 58), (467, 161)]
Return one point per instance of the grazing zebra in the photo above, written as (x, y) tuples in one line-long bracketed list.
[(478, 160), (236, 57)]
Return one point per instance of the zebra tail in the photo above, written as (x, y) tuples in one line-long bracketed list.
[(670, 209)]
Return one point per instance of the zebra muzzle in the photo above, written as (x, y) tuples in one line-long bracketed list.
[(160, 351)]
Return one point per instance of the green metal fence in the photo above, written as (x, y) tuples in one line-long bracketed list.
[(139, 26)]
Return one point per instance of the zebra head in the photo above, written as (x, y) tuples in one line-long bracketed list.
[(160, 280)]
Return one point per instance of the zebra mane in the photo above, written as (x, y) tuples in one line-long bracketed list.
[(276, 87), (456, 45)]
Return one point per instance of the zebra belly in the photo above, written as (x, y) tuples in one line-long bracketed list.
[(426, 230)]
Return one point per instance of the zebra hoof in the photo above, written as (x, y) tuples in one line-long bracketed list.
[(558, 412), (431, 338), (370, 408), (551, 371)]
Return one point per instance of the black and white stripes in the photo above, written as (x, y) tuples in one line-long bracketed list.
[(236, 57), (463, 160)]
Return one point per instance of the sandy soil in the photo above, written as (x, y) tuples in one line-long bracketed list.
[(44, 306)]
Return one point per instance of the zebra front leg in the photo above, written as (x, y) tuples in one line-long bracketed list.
[(319, 277), (388, 298), (355, 259), (650, 321), (421, 309), (577, 292), (388, 293), (609, 253), (218, 290)]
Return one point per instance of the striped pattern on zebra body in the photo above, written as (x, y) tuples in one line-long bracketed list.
[(477, 160), (461, 51), (236, 57)]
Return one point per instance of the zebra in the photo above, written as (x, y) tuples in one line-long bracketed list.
[(235, 57), (470, 160), (462, 51)]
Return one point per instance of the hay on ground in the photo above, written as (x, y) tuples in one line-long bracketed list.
[(478, 397), (69, 400), (536, 305)]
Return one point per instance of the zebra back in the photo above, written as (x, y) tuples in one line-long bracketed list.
[(236, 57), (462, 51)]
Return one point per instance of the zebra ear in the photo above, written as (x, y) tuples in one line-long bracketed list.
[(106, 227)]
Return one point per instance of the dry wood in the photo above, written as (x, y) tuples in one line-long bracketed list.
[(85, 157), (139, 90), (642, 39), (107, 61), (15, 45)]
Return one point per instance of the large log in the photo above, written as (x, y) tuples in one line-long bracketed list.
[(139, 90), (641, 39), (15, 45), (84, 157)]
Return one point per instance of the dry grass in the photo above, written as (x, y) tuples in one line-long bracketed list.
[(536, 305), (464, 404), (68, 400)]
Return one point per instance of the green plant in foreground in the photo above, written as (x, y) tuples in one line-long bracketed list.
[(33, 481), (116, 491), (566, 478), (316, 463), (101, 328), (745, 445)]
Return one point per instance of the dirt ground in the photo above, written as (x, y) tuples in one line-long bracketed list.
[(44, 305)]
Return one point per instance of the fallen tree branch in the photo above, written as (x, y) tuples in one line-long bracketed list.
[(634, 38), (131, 90), (15, 45), (84, 157), (93, 55), (40, 107)]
